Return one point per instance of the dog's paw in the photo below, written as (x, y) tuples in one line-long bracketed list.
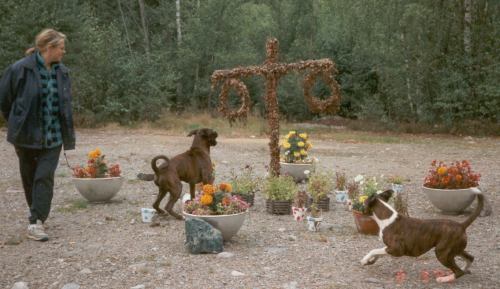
[(446, 279), (368, 261)]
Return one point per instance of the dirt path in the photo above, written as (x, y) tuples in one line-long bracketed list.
[(107, 246)]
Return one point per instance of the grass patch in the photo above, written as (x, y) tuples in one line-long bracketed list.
[(73, 206)]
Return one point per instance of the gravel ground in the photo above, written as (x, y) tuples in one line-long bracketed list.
[(107, 245)]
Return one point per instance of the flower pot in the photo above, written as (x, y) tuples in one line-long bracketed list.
[(397, 188), (323, 204), (228, 225), (249, 198), (297, 171), (278, 207), (313, 223), (365, 224), (451, 201), (98, 190), (341, 197), (299, 213)]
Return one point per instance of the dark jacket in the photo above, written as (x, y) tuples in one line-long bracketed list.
[(20, 94)]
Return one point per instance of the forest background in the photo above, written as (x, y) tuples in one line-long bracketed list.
[(425, 63)]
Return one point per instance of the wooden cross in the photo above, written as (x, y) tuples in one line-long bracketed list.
[(272, 71)]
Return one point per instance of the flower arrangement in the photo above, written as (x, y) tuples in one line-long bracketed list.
[(340, 181), (96, 167), (395, 179), (456, 175), (369, 187), (295, 147), (216, 200)]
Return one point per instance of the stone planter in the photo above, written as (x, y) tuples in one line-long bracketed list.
[(297, 171), (451, 201), (278, 207), (98, 190), (228, 225), (365, 224)]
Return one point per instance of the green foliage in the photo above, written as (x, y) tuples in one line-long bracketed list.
[(398, 61), (245, 183), (281, 188), (319, 185)]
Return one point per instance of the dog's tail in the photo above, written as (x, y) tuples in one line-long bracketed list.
[(480, 205), (155, 159)]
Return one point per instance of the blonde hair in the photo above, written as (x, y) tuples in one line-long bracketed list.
[(46, 38)]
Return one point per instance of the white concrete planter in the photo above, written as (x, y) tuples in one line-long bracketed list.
[(451, 201), (97, 190), (297, 171), (228, 225)]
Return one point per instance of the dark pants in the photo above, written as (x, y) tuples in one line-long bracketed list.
[(37, 168)]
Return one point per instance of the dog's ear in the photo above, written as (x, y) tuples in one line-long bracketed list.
[(386, 195), (193, 132)]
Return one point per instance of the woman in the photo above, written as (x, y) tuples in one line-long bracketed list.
[(35, 100)]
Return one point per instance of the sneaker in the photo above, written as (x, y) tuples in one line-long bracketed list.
[(36, 232)]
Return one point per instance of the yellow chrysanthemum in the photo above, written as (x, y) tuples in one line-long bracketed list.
[(362, 199), (303, 152), (442, 171), (296, 154), (286, 145), (206, 199), (209, 189), (303, 136), (301, 144)]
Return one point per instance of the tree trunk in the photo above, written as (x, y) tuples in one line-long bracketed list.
[(125, 26), (178, 21), (144, 26), (467, 27)]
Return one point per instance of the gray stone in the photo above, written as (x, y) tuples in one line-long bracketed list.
[(237, 273), (71, 286), (20, 285), (140, 286), (201, 237), (225, 255)]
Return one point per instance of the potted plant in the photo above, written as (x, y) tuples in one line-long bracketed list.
[(245, 184), (299, 206), (279, 192), (319, 186), (96, 181), (400, 199), (216, 205), (295, 160), (340, 187), (451, 188), (315, 218), (364, 224)]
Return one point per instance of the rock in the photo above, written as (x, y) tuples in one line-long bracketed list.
[(291, 285), (140, 286), (14, 240), (237, 273), (292, 238), (71, 286), (85, 271), (225, 255), (373, 280), (20, 285), (282, 229), (201, 237)]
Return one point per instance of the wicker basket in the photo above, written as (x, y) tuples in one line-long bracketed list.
[(323, 204), (278, 207)]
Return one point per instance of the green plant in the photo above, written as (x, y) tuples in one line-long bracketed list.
[(319, 186), (245, 183), (398, 180), (340, 181), (280, 188), (369, 187)]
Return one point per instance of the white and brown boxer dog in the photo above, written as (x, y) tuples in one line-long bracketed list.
[(404, 236)]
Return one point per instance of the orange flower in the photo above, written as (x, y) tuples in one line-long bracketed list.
[(442, 171), (209, 189), (225, 187), (94, 154), (226, 201), (458, 178), (206, 199)]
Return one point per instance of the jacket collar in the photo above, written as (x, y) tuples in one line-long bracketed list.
[(30, 62)]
